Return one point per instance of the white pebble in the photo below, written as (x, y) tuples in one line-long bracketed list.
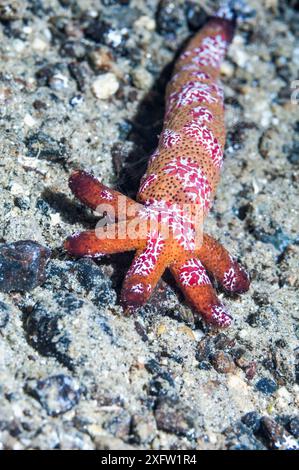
[(55, 218), (29, 120), (105, 86), (243, 334), (142, 78), (198, 334), (27, 30), (59, 81), (240, 57), (39, 45), (227, 69), (19, 45), (145, 22), (17, 190)]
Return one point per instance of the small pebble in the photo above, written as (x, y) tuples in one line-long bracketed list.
[(22, 203), (22, 265), (74, 49), (39, 105), (195, 14), (241, 437), (43, 146), (266, 386), (142, 79), (101, 32), (185, 330), (222, 362), (56, 394), (161, 329), (29, 120), (78, 73), (171, 416), (58, 82), (252, 421), (240, 58), (145, 22), (101, 59), (76, 100), (105, 85), (227, 69), (169, 18), (9, 11), (250, 371), (39, 45), (45, 326)]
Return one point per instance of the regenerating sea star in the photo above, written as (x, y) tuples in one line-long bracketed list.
[(175, 194)]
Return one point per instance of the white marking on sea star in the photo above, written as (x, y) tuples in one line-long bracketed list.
[(194, 181), (220, 315), (147, 181), (204, 136), (146, 262), (193, 273), (229, 279), (169, 138)]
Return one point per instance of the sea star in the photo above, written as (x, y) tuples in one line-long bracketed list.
[(165, 226)]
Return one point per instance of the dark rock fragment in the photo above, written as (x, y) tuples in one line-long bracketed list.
[(241, 437), (74, 49), (101, 32), (195, 14), (236, 137), (252, 421), (266, 386), (169, 18), (174, 417), (93, 279), (44, 330), (222, 362), (79, 74), (22, 265), (46, 74), (76, 100), (57, 394), (9, 11), (45, 147), (141, 331)]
